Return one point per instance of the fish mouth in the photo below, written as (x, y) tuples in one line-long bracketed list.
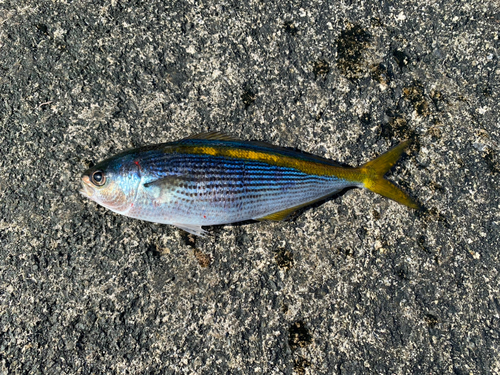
[(86, 190)]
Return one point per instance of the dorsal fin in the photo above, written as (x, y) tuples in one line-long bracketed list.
[(299, 153), (215, 135)]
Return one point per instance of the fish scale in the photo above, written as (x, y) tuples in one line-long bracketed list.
[(212, 179)]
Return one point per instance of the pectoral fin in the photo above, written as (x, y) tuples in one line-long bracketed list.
[(166, 182), (162, 190)]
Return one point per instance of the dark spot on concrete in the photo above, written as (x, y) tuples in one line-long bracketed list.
[(402, 59), (376, 22), (284, 259), (174, 73), (187, 26), (321, 292), (402, 273), (351, 44), (348, 253), (491, 159), (188, 239), (431, 320), (376, 214), (152, 250), (44, 29), (366, 119), (436, 187), (290, 28), (421, 240), (381, 74), (284, 308), (318, 116), (432, 214), (361, 232), (415, 94), (397, 127), (88, 163), (321, 68), (203, 259), (437, 99), (248, 97), (435, 130), (487, 91), (344, 252), (300, 364), (299, 335)]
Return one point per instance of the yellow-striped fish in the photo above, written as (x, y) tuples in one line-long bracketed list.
[(212, 179)]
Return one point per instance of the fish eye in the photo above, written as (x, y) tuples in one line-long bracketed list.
[(98, 178)]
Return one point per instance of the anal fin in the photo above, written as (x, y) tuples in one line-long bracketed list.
[(197, 230), (281, 215)]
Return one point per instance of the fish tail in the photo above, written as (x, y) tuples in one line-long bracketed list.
[(373, 176)]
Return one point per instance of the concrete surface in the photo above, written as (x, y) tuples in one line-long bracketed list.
[(357, 285)]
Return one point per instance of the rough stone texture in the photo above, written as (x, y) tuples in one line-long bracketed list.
[(357, 285)]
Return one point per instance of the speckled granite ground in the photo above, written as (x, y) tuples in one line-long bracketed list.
[(356, 285)]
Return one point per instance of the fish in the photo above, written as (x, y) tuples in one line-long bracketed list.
[(213, 179)]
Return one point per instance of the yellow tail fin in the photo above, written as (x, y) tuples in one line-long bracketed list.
[(374, 180)]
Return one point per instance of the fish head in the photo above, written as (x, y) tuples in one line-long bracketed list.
[(112, 183)]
